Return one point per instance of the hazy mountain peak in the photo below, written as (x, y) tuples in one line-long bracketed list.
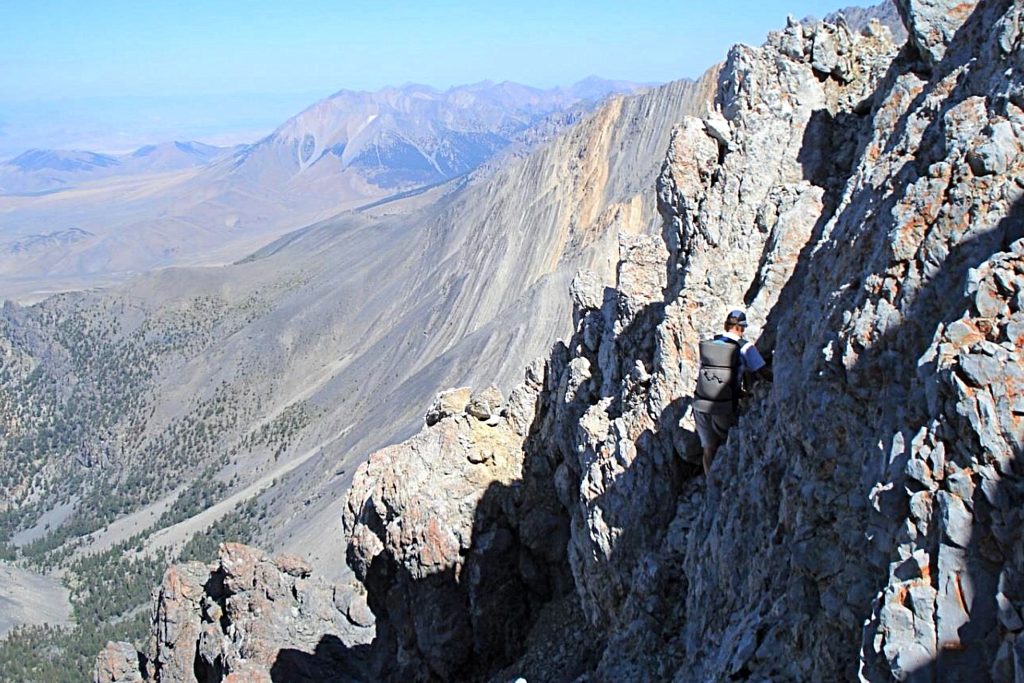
[(44, 170), (479, 85), (596, 88), (345, 151), (61, 160), (192, 148), (412, 134)]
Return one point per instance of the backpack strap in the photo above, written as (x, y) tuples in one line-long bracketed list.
[(729, 340)]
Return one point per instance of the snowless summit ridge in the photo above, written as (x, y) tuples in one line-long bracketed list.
[(864, 204)]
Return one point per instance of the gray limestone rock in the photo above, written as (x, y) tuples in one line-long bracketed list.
[(955, 520), (996, 154), (586, 291), (485, 405), (932, 24), (823, 54)]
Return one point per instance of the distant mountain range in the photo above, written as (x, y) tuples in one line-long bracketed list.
[(46, 170), (349, 150), (397, 138)]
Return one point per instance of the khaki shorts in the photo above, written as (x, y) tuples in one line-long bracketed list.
[(713, 429)]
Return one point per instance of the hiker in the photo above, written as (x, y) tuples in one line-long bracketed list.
[(724, 361)]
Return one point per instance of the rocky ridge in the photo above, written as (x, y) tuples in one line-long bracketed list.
[(807, 185), (862, 520)]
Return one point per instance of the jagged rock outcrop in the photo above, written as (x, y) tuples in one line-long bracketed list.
[(932, 24), (247, 618), (459, 542), (866, 209), (863, 520), (117, 663)]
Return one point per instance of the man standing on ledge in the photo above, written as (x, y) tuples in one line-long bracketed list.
[(724, 361)]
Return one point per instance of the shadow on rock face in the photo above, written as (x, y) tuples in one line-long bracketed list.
[(331, 662), (934, 371), (464, 590)]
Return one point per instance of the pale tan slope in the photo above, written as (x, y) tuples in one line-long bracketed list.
[(199, 217)]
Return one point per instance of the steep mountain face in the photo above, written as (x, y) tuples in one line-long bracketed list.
[(347, 151), (862, 519), (255, 390)]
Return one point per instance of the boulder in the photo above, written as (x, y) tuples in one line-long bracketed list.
[(486, 404), (932, 24), (448, 403), (117, 663), (250, 618)]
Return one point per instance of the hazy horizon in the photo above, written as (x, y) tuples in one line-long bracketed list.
[(113, 76)]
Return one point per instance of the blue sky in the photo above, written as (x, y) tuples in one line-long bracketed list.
[(115, 74)]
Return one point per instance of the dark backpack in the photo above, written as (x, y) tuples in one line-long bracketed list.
[(719, 378)]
